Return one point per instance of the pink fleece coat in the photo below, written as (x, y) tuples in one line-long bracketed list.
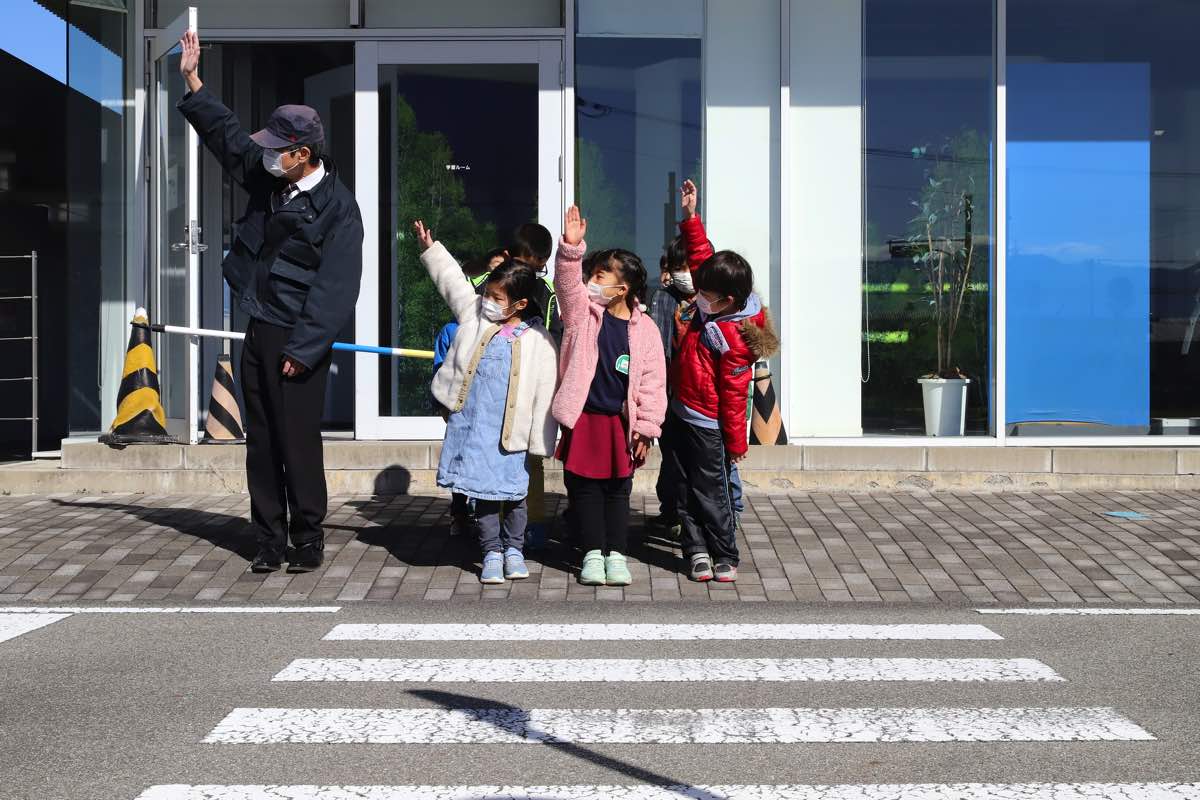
[(646, 401)]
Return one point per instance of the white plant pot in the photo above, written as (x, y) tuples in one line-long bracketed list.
[(945, 405)]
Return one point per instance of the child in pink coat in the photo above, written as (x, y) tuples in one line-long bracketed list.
[(612, 395)]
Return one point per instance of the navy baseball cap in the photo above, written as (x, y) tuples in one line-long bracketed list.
[(290, 126)]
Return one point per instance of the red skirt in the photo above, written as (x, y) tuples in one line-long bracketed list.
[(597, 447)]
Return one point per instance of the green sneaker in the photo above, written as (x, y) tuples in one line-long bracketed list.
[(592, 573), (616, 571)]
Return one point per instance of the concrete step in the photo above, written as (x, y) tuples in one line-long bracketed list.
[(354, 467)]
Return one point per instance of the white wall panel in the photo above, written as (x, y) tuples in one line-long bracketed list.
[(823, 314)]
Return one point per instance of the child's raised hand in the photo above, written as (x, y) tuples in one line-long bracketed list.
[(688, 195), (574, 226), (424, 235)]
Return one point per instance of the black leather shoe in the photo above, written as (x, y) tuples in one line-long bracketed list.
[(266, 562), (307, 558)]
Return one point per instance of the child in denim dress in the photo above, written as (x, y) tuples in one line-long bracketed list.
[(497, 382)]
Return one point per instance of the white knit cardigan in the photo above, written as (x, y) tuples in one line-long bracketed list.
[(528, 423)]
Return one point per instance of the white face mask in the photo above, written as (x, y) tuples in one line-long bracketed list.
[(596, 293), (682, 280), (273, 162), (705, 305), (494, 312)]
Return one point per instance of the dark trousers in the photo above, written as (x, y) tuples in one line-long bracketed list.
[(703, 502), (501, 524), (285, 468), (601, 507)]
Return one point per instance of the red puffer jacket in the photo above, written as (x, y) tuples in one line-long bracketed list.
[(714, 359)]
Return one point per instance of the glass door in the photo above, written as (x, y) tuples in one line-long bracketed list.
[(175, 295), (468, 137)]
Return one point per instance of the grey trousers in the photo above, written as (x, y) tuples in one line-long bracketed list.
[(501, 524)]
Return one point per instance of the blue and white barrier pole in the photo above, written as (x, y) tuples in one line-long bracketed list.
[(402, 352)]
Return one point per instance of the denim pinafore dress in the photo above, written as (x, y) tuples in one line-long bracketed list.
[(473, 461)]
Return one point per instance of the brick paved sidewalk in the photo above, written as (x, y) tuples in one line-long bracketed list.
[(957, 548)]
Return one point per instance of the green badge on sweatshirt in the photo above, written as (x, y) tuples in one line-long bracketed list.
[(623, 364)]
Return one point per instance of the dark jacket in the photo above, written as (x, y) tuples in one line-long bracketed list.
[(296, 265)]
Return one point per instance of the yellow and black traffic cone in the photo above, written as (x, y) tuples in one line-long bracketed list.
[(224, 424), (140, 418), (766, 426)]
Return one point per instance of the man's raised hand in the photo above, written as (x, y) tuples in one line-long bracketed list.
[(189, 61), (574, 226)]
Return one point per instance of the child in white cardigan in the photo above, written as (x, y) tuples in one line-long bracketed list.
[(498, 382)]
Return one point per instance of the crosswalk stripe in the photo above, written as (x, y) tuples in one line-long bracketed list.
[(650, 632), (169, 609), (579, 670), (13, 625), (671, 726), (899, 791), (1098, 612)]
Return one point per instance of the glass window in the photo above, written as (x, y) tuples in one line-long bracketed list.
[(928, 126), (469, 169), (258, 13), (376, 13), (1103, 258), (465, 14), (638, 133)]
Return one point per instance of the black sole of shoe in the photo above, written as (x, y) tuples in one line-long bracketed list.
[(265, 570), (299, 569)]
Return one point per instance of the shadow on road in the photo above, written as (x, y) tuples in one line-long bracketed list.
[(515, 720)]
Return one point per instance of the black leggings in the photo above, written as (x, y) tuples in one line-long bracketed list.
[(601, 508)]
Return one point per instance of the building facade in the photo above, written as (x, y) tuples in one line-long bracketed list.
[(994, 190)]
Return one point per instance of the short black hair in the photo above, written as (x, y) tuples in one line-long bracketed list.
[(728, 274), (478, 266), (532, 244), (520, 282), (674, 258), (628, 266)]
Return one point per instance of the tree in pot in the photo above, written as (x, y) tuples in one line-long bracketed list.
[(941, 242)]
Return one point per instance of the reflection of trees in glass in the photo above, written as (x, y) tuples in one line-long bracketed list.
[(426, 190), (610, 223), (942, 237), (900, 326)]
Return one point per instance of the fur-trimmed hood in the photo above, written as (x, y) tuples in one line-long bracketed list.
[(762, 340)]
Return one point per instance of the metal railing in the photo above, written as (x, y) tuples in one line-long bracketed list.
[(32, 338)]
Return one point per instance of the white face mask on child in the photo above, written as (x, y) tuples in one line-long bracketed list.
[(494, 312), (596, 292), (706, 306), (682, 280)]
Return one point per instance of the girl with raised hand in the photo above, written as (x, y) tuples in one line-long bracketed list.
[(497, 382), (612, 395)]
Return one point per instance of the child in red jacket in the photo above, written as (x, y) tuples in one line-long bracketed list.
[(718, 337)]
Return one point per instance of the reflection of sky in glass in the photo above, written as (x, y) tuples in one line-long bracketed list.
[(38, 37), (1079, 243)]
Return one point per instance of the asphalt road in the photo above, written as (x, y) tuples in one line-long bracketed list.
[(99, 706)]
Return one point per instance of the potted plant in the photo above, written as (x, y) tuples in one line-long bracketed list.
[(942, 244)]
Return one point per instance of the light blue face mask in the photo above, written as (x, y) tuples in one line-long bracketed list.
[(272, 161)]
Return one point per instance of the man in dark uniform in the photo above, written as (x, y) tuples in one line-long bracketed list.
[(294, 268)]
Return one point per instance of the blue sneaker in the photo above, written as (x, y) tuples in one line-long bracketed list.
[(493, 568), (514, 565)]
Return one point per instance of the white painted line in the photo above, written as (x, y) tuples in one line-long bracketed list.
[(900, 791), (671, 726), (672, 670), (13, 625), (170, 609), (1097, 612), (652, 633)]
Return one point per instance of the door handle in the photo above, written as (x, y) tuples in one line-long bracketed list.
[(193, 244)]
